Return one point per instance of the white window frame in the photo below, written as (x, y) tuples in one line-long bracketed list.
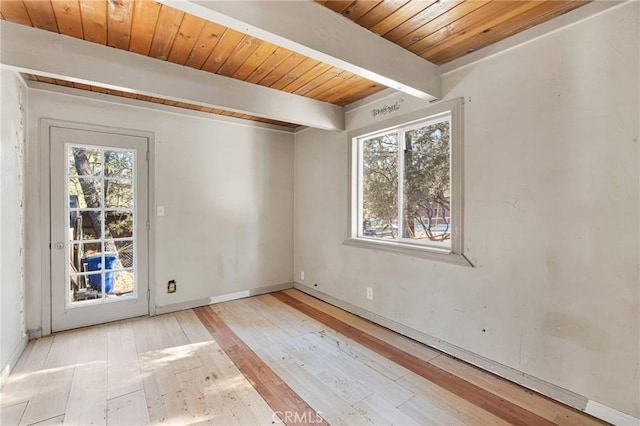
[(422, 117)]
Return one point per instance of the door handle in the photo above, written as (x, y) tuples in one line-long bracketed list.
[(58, 246)]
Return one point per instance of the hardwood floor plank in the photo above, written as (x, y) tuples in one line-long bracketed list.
[(123, 367), (425, 412), (399, 341), (444, 401), (472, 393), (380, 412), (276, 393), (89, 384), (22, 382), (128, 410), (51, 390)]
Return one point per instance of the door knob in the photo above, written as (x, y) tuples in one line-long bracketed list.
[(58, 246)]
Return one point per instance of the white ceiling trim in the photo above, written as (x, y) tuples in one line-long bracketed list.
[(312, 30), (35, 51)]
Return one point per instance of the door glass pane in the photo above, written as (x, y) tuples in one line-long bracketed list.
[(85, 193), (85, 161), (380, 186), (85, 287), (101, 212), (427, 184), (85, 225), (119, 224), (118, 164), (119, 193)]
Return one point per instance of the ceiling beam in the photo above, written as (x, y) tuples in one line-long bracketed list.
[(35, 51), (312, 30)]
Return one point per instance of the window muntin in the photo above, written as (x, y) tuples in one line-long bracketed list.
[(405, 194)]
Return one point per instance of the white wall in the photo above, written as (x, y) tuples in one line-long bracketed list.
[(227, 191), (12, 330), (551, 215)]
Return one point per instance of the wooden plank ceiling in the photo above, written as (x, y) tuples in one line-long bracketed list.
[(439, 31)]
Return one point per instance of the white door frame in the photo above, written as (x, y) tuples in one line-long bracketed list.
[(45, 211)]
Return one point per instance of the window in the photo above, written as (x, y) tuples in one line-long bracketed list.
[(406, 184)]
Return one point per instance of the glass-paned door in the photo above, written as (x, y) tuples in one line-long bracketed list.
[(99, 217)]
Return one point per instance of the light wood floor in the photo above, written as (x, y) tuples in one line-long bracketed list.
[(271, 359)]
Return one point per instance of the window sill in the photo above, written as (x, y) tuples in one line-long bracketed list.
[(431, 253)]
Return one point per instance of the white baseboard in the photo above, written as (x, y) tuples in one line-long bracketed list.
[(222, 298), (15, 356), (610, 415), (548, 389)]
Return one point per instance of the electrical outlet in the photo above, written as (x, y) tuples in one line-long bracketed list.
[(301, 275), (369, 293), (172, 286)]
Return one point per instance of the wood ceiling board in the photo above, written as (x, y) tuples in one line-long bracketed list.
[(280, 71), (472, 25), (441, 23), (94, 21), (295, 73), (336, 5), (119, 14), (167, 27), (271, 63), (15, 11), (226, 45), (29, 50), (68, 18), (462, 28), (207, 40), (318, 69), (380, 12), (541, 13), (322, 35), (188, 33), (247, 46), (359, 8), (42, 16), (420, 19), (145, 17), (332, 73), (264, 51), (400, 16)]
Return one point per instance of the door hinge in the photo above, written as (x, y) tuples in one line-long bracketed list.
[(147, 155), (148, 295), (148, 226)]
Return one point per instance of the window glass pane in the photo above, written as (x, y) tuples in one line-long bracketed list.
[(380, 186), (85, 161), (427, 184)]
